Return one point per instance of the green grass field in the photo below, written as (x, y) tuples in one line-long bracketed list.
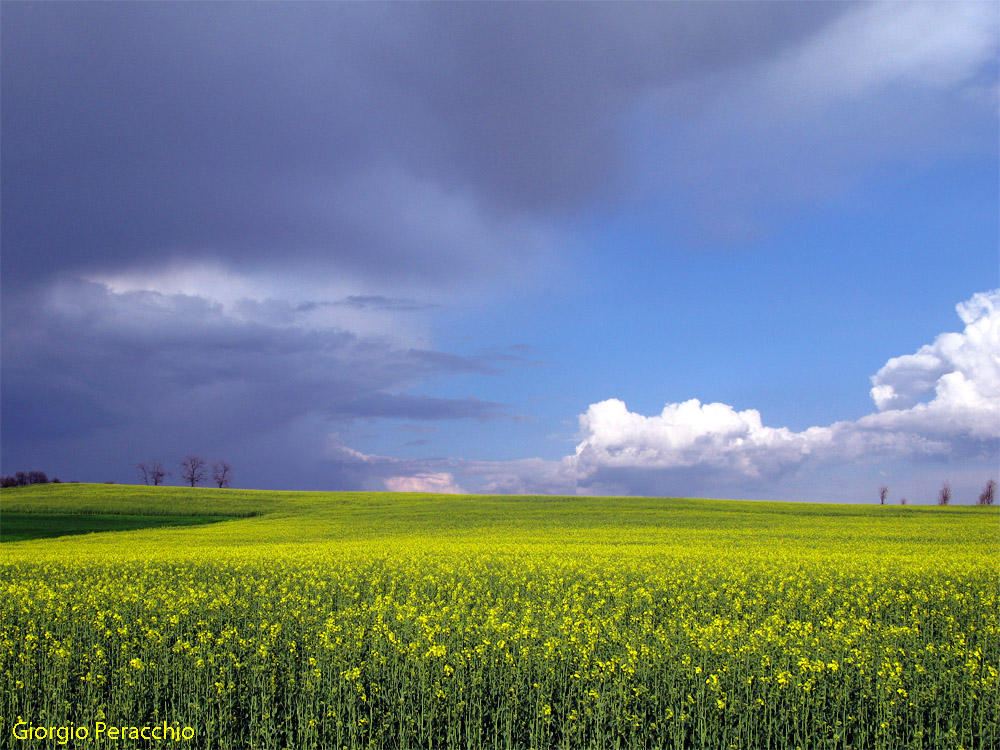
[(388, 620)]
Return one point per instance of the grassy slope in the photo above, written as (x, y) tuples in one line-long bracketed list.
[(381, 517)]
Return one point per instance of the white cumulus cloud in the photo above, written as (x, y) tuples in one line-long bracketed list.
[(952, 385), (691, 434), (941, 402)]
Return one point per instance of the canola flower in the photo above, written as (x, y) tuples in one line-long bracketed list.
[(621, 632)]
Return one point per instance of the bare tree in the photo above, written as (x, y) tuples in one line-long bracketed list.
[(902, 501), (193, 469), (156, 472), (222, 472), (883, 492), (944, 496), (988, 494), (152, 472)]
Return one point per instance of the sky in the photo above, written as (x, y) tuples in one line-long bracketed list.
[(737, 250)]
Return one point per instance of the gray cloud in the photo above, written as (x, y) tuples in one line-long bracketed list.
[(165, 371), (881, 85), (420, 141)]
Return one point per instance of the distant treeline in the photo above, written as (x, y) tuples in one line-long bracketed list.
[(194, 471), (24, 478)]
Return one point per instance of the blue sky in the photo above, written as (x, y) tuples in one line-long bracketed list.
[(501, 248)]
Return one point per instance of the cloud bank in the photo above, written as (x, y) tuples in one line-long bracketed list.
[(940, 404), (335, 139), (96, 379)]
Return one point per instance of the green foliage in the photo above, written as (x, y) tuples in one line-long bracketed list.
[(384, 620)]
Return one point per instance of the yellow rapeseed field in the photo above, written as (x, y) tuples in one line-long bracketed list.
[(376, 620)]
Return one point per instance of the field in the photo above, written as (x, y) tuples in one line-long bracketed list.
[(377, 620)]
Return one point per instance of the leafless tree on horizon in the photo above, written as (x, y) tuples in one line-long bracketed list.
[(989, 493), (944, 496), (151, 471), (193, 469), (156, 472), (222, 473)]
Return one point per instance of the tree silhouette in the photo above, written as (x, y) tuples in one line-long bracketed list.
[(193, 469), (944, 496), (156, 472), (222, 472), (988, 493)]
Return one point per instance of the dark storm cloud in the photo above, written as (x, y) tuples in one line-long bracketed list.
[(246, 132), (164, 371)]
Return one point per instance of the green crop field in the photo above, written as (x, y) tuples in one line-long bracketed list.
[(379, 620)]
